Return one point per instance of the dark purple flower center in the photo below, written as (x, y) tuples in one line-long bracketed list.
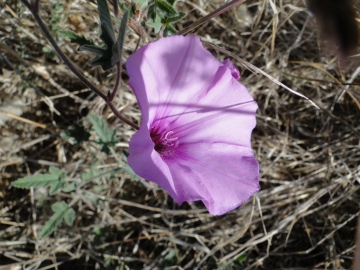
[(164, 142)]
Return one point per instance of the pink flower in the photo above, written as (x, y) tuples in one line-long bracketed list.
[(195, 136)]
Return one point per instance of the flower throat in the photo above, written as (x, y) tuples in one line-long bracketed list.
[(164, 142)]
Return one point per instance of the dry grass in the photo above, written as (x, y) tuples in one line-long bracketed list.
[(305, 215)]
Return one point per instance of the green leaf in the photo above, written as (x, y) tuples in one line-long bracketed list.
[(122, 6), (152, 12), (55, 187), (105, 19), (109, 56), (105, 55), (93, 49), (107, 136), (176, 18), (156, 24), (59, 206), (70, 187), (76, 38), (142, 3), (55, 179), (61, 211), (241, 259), (92, 197), (170, 255), (94, 173), (166, 7), (162, 13), (101, 129), (69, 216), (57, 172), (117, 49), (169, 29), (40, 199), (88, 175)]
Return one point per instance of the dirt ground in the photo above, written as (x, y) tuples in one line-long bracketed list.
[(306, 213)]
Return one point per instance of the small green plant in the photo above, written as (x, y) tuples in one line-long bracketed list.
[(162, 15), (107, 136), (58, 182)]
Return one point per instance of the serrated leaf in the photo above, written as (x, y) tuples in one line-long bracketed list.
[(55, 179), (41, 180), (56, 171), (76, 38), (58, 206), (166, 7), (101, 129), (94, 174), (61, 211), (107, 136), (69, 216), (55, 187), (70, 187)]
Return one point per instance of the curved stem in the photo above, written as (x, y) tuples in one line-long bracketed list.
[(73, 68), (118, 115)]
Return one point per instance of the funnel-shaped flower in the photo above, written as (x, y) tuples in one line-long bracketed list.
[(197, 119)]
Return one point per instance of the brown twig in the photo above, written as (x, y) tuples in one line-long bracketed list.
[(213, 14)]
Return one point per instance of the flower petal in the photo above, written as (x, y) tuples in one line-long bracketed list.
[(201, 117), (221, 175), (226, 113), (173, 68), (147, 163)]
